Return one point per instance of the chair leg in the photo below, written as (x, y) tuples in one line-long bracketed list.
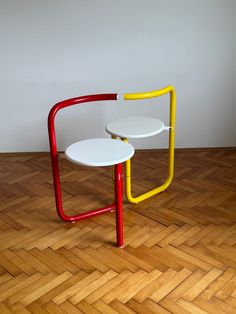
[(118, 202), (161, 188), (58, 198)]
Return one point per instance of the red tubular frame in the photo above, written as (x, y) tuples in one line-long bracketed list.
[(55, 168), (118, 204)]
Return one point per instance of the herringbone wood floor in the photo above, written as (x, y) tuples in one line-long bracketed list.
[(180, 252)]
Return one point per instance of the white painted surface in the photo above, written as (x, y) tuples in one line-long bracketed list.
[(135, 127), (99, 152), (53, 50)]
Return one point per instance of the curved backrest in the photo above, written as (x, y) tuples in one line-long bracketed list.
[(157, 93), (67, 103), (151, 94)]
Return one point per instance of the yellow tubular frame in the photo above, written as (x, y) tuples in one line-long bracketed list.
[(163, 187)]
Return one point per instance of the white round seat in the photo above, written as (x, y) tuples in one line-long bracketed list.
[(135, 127), (99, 152)]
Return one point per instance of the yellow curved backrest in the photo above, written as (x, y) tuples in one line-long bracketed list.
[(151, 94)]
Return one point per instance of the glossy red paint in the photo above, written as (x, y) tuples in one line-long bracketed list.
[(117, 205)]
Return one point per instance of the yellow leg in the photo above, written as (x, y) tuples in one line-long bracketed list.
[(168, 181)]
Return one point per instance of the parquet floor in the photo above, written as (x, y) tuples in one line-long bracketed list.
[(180, 252)]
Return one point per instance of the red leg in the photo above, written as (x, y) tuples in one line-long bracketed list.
[(118, 202), (58, 197)]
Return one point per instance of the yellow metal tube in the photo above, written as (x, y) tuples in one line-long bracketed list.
[(144, 95), (151, 94)]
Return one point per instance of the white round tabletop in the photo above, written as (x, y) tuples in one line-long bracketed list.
[(135, 127), (99, 152)]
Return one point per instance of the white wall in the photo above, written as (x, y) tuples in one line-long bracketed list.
[(53, 50)]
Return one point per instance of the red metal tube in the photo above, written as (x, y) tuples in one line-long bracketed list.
[(54, 154), (89, 214), (118, 201)]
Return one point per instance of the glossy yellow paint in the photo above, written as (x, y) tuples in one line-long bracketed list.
[(164, 186), (150, 94)]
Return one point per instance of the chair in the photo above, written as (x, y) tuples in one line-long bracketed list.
[(91, 152), (141, 127)]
